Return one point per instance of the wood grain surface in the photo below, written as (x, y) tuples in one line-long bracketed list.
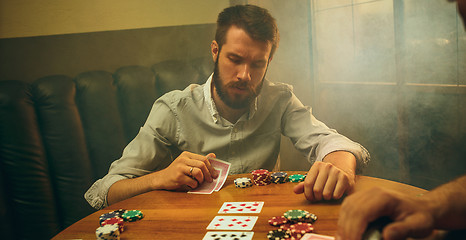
[(179, 215)]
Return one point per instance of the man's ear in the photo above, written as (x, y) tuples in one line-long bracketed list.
[(214, 50)]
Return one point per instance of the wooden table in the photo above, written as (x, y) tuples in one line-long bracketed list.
[(179, 215)]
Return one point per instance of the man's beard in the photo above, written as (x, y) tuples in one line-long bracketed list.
[(221, 90)]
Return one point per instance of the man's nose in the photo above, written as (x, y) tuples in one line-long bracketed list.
[(244, 73)]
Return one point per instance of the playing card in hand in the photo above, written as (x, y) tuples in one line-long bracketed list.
[(223, 168)]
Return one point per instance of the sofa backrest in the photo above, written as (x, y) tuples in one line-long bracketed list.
[(60, 134)]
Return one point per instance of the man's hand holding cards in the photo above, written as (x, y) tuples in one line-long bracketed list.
[(223, 168)]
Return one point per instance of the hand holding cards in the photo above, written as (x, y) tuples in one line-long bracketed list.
[(223, 169)]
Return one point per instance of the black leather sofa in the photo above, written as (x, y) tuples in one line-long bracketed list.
[(59, 134)]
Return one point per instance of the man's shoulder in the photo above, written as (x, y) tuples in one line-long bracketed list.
[(193, 92), (277, 88)]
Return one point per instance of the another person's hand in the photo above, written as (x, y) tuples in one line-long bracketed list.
[(188, 169), (327, 180), (413, 217)]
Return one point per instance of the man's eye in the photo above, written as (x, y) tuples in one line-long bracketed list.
[(258, 65), (234, 60)]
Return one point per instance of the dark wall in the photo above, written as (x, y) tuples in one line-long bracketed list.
[(30, 58)]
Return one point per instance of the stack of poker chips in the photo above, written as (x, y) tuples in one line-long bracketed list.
[(297, 230), (295, 223), (111, 223), (278, 234), (297, 178), (297, 215), (243, 182), (279, 177), (108, 232), (132, 215), (261, 177), (115, 220)]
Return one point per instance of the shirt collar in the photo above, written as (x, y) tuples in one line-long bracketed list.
[(209, 100), (211, 104)]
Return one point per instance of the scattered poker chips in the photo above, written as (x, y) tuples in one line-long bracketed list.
[(132, 215), (297, 215), (261, 177), (278, 221), (108, 232), (278, 234), (111, 223), (243, 182), (279, 177), (116, 220), (293, 223), (297, 178)]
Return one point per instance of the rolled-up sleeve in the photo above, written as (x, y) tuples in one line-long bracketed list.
[(313, 138), (149, 151)]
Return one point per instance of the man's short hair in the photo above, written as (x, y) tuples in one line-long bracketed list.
[(255, 21)]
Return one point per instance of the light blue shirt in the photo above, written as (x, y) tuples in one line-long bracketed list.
[(189, 121)]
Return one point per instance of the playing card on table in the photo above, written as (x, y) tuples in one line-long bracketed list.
[(228, 235), (241, 207), (313, 236), (244, 223)]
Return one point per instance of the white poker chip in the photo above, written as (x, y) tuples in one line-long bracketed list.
[(243, 182), (108, 232)]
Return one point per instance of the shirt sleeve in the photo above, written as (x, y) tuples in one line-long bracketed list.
[(149, 151), (313, 138)]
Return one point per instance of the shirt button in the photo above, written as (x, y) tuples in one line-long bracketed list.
[(235, 130)]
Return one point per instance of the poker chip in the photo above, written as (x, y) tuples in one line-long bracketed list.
[(243, 182), (301, 228), (108, 215), (132, 215), (108, 232), (297, 178), (261, 177), (286, 226), (279, 177), (296, 215), (278, 234), (312, 217), (277, 221), (116, 220)]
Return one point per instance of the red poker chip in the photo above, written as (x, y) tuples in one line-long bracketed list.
[(286, 226), (301, 228), (116, 220), (260, 172), (277, 221)]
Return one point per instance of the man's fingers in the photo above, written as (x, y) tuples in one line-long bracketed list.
[(212, 170), (319, 185), (329, 188), (190, 182), (416, 225), (341, 187), (200, 171), (298, 189)]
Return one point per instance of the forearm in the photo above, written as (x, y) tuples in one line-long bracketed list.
[(128, 188), (448, 204)]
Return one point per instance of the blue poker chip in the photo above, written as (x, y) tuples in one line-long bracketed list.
[(109, 215), (279, 177)]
